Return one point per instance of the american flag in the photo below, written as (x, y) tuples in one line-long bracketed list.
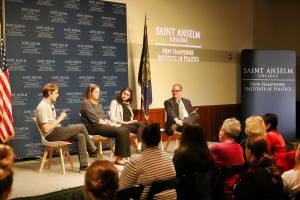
[(6, 119)]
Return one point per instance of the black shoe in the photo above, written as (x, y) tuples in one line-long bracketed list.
[(95, 154), (83, 168)]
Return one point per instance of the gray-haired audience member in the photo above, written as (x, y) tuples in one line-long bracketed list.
[(228, 152)]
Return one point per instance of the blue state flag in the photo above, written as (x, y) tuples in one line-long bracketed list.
[(144, 78)]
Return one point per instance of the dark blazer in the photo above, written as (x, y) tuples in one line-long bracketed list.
[(172, 111)]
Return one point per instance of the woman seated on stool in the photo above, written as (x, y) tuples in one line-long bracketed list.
[(93, 117), (121, 113)]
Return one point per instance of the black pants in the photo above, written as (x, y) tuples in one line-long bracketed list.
[(121, 134), (136, 128)]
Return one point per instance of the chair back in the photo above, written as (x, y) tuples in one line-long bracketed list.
[(160, 186), (221, 178), (47, 143), (195, 186), (131, 193)]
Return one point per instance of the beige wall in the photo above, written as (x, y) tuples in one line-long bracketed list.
[(226, 27), (277, 26)]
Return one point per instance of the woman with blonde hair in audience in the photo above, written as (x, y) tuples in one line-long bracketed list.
[(101, 180), (291, 178), (255, 125), (6, 172)]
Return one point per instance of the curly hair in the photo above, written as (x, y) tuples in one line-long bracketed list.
[(102, 179), (6, 172)]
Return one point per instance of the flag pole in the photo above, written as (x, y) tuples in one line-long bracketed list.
[(141, 118)]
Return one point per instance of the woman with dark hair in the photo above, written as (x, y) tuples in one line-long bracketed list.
[(101, 180), (152, 165), (262, 179), (192, 157), (6, 172), (121, 113), (275, 140), (93, 117)]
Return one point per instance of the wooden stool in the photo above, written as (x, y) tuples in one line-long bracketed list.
[(99, 140)]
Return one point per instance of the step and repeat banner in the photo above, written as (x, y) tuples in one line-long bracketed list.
[(68, 42), (268, 85)]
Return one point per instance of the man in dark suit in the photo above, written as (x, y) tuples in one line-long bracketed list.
[(179, 111)]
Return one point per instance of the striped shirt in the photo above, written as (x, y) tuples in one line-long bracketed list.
[(153, 165)]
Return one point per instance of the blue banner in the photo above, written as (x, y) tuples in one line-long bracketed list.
[(268, 85), (71, 43)]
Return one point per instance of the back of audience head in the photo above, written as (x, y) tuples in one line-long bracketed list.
[(255, 125), (192, 136), (231, 127), (151, 135), (271, 121), (6, 172), (101, 180), (256, 148)]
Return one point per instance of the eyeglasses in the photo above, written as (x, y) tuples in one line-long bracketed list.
[(175, 90)]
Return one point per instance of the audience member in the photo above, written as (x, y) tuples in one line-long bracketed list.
[(192, 157), (262, 180), (121, 113), (52, 130), (101, 180), (179, 110), (275, 140), (6, 172), (291, 178), (152, 165), (228, 153), (223, 152), (255, 125), (93, 117)]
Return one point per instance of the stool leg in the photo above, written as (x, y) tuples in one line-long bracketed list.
[(50, 157), (44, 158), (69, 156), (62, 159), (100, 149)]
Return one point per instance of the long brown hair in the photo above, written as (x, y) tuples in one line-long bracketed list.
[(119, 96), (91, 87)]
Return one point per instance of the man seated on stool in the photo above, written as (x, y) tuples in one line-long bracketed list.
[(179, 111), (52, 130)]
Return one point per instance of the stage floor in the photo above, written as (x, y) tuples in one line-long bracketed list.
[(28, 182)]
